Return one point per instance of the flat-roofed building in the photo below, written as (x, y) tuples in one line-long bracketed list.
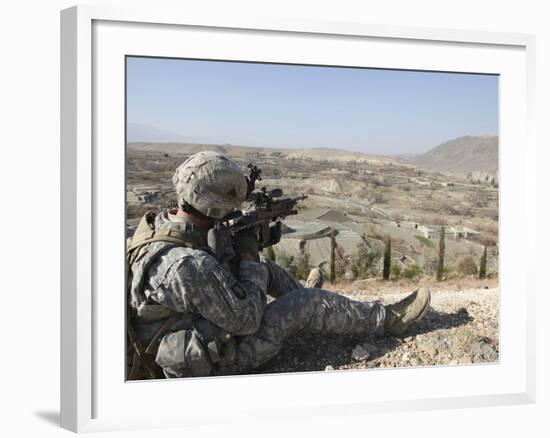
[(451, 232)]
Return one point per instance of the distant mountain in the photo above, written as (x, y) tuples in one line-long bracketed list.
[(313, 154), (462, 155)]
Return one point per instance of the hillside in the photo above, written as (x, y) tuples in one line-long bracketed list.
[(460, 328), (462, 155)]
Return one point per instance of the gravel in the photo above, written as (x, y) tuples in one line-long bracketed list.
[(460, 327)]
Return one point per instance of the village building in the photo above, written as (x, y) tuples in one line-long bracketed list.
[(451, 232), (145, 194)]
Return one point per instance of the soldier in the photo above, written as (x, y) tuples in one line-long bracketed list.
[(191, 316)]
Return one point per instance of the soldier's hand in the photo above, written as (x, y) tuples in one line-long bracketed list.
[(246, 243)]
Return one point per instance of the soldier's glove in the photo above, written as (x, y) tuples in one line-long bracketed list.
[(246, 244)]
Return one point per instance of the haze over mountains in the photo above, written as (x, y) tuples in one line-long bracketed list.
[(314, 154), (461, 155), (139, 132)]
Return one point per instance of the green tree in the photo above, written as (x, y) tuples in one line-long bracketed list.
[(333, 256), (387, 259), (441, 256), (483, 264)]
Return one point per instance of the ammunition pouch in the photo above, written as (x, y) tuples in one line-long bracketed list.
[(198, 351), (143, 364), (183, 346)]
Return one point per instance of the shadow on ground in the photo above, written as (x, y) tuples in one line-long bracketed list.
[(314, 351), (434, 320)]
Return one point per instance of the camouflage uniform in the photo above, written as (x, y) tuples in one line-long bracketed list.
[(224, 323)]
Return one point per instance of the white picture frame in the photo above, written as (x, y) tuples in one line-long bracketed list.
[(93, 39)]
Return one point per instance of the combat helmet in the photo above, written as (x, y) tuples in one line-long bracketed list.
[(210, 183)]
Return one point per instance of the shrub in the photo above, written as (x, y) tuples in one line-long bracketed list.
[(430, 265), (395, 270), (341, 265), (412, 271), (467, 266), (301, 266), (364, 260)]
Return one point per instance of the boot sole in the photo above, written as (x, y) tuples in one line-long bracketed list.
[(428, 301), (406, 326)]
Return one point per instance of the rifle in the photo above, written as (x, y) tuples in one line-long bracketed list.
[(266, 211)]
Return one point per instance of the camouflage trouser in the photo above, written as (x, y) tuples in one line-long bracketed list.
[(297, 309)]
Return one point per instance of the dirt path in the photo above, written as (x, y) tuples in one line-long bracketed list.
[(461, 327)]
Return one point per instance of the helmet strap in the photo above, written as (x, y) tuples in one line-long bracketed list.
[(195, 216)]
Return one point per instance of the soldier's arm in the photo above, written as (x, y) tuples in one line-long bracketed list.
[(236, 305)]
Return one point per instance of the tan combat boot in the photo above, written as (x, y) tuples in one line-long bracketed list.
[(401, 315), (315, 278)]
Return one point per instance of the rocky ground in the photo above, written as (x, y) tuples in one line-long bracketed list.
[(460, 327)]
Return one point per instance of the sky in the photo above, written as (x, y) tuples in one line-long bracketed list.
[(277, 105)]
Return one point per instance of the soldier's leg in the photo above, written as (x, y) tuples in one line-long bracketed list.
[(313, 310), (280, 281)]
